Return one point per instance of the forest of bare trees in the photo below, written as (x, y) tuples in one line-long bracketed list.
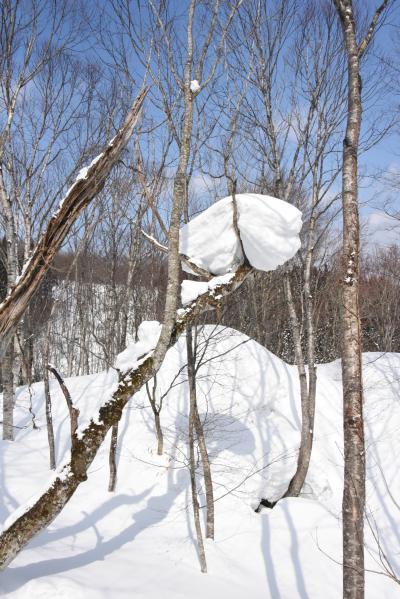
[(122, 120)]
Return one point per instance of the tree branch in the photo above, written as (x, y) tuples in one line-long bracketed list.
[(371, 29)]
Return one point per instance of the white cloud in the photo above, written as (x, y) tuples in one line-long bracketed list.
[(380, 229)]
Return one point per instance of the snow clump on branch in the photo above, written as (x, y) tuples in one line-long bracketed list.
[(148, 335), (269, 233)]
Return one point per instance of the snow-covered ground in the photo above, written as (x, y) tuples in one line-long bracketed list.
[(139, 541)]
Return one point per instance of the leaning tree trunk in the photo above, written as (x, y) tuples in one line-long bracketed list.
[(84, 448), (353, 424), (80, 194)]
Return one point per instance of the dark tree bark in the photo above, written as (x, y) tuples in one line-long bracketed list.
[(354, 447)]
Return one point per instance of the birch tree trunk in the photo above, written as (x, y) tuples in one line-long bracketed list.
[(353, 424)]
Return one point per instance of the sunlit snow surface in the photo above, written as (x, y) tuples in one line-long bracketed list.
[(139, 541)]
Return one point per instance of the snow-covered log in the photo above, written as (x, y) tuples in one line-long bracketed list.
[(87, 185), (39, 513)]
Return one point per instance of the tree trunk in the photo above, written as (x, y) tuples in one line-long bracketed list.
[(160, 436), (205, 461), (307, 397), (156, 413), (192, 460), (73, 412), (8, 394), (353, 424), (49, 417), (113, 458)]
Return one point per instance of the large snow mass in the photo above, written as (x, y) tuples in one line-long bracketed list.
[(139, 541), (269, 230)]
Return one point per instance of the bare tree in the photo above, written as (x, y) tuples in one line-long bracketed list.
[(354, 446)]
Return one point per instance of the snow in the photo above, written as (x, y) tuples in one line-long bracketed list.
[(139, 541), (148, 335), (83, 174), (195, 86), (62, 473), (269, 230), (190, 290)]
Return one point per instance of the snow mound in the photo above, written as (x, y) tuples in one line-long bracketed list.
[(148, 335), (111, 544), (269, 230)]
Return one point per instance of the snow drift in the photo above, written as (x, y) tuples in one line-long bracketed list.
[(139, 542)]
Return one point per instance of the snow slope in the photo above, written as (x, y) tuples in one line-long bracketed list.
[(139, 542)]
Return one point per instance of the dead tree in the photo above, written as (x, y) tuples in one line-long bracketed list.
[(78, 197), (353, 424)]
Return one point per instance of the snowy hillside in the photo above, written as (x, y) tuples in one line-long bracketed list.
[(139, 541)]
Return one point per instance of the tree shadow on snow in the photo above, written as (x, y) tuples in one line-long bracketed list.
[(152, 514), (268, 554)]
